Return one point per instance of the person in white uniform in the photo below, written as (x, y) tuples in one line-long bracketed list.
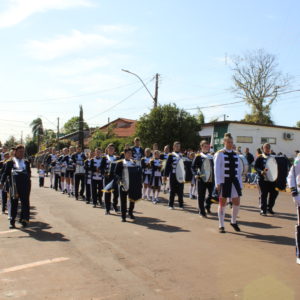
[(293, 181), (228, 181)]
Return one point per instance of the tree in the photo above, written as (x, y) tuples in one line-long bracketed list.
[(166, 124), (37, 130), (298, 124), (257, 81), (200, 117), (72, 125), (31, 148), (96, 140), (11, 142)]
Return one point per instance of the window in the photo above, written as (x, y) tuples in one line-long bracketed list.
[(269, 140), (244, 139)]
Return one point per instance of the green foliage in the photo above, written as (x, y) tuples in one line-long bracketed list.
[(200, 117), (11, 142), (258, 118), (72, 125), (99, 139), (31, 148), (63, 144), (298, 124), (166, 124), (37, 127)]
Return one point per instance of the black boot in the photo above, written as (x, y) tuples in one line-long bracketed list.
[(297, 237)]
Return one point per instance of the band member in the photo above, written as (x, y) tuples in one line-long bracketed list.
[(137, 151), (57, 175), (189, 177), (293, 181), (98, 169), (63, 170), (88, 177), (176, 187), (5, 190), (19, 170), (267, 189), (133, 191), (156, 180), (228, 181), (110, 164), (203, 186), (122, 156), (147, 172), (70, 169), (78, 159), (51, 161), (4, 149), (41, 172), (164, 157)]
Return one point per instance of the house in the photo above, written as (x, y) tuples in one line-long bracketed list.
[(120, 127), (282, 138)]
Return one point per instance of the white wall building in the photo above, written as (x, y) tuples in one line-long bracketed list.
[(282, 138)]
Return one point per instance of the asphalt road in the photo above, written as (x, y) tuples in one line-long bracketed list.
[(73, 251)]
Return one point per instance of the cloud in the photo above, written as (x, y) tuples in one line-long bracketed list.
[(116, 29), (19, 10), (63, 45)]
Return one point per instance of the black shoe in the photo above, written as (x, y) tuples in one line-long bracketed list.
[(131, 216), (202, 215), (270, 210), (87, 202), (94, 205), (123, 220), (263, 213), (208, 210), (12, 225), (76, 197), (115, 207), (107, 212), (24, 223), (235, 227), (222, 230)]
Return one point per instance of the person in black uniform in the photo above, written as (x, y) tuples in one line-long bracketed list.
[(98, 168), (88, 177), (176, 187), (267, 189), (19, 170), (6, 184), (129, 162), (203, 203), (78, 159), (137, 151), (110, 164)]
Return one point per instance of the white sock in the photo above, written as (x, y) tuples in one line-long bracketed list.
[(51, 178), (235, 211), (68, 188), (191, 191), (149, 193), (156, 193), (221, 215), (144, 193), (62, 183)]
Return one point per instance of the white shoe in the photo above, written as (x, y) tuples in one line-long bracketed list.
[(171, 207), (298, 261)]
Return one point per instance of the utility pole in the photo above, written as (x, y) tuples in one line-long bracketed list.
[(156, 90), (57, 131), (80, 133)]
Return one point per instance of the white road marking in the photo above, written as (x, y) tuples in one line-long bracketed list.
[(9, 231), (34, 264)]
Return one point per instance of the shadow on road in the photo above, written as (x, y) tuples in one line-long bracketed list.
[(258, 225), (157, 224), (272, 239), (37, 230)]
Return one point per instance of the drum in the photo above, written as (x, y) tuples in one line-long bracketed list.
[(271, 165), (206, 170), (79, 169), (243, 165), (180, 171), (132, 182), (188, 170)]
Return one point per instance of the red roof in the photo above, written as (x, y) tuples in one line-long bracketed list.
[(124, 127)]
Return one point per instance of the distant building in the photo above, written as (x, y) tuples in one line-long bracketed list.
[(120, 127), (282, 138)]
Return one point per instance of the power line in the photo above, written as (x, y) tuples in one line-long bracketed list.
[(69, 97)]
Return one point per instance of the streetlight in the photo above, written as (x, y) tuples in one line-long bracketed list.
[(154, 98)]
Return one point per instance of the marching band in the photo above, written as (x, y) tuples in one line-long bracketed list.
[(105, 179)]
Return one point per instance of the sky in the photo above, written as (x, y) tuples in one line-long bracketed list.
[(59, 54)]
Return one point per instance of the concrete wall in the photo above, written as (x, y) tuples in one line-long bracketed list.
[(287, 147)]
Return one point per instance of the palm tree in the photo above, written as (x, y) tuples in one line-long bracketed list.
[(37, 130)]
